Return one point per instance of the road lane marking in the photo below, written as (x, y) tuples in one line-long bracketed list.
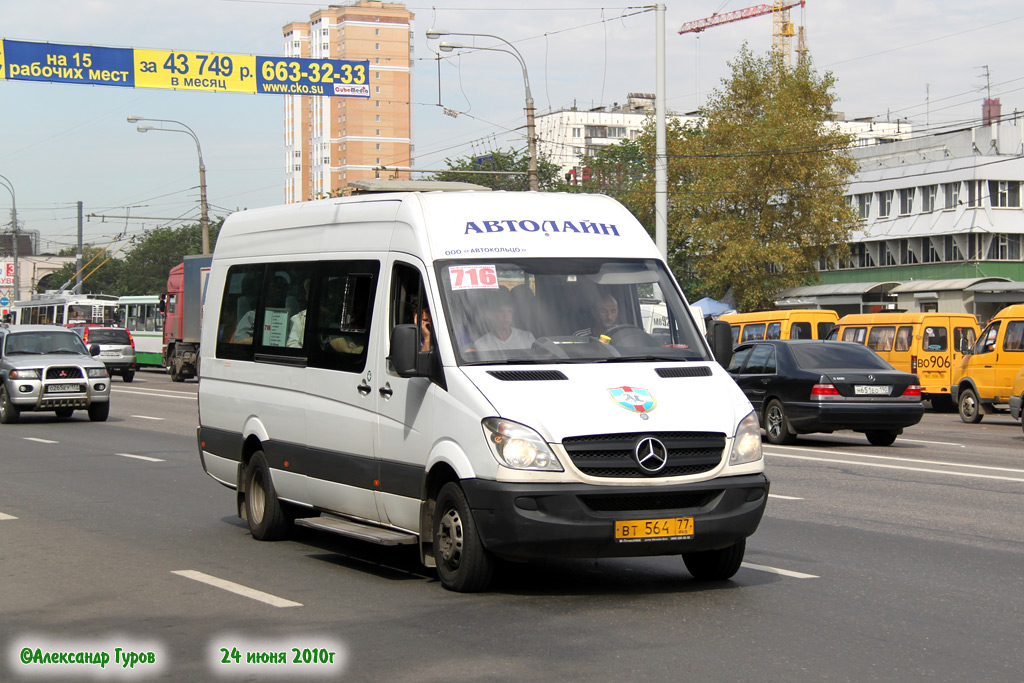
[(4, 517), (146, 417), (776, 495), (776, 570), (37, 440), (899, 459), (236, 588), (934, 443), (159, 394), (899, 467), (139, 457)]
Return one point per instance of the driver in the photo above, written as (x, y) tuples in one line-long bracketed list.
[(502, 336), (605, 313)]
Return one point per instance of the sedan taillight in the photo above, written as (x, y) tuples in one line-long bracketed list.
[(824, 390), (913, 390)]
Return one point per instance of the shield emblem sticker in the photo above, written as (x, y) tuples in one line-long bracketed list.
[(634, 399)]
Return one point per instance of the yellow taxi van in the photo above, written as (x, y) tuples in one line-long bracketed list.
[(797, 323), (926, 344), (982, 380)]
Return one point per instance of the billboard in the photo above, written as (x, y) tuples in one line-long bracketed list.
[(180, 70)]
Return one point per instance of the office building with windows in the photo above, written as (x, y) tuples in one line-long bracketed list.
[(332, 141)]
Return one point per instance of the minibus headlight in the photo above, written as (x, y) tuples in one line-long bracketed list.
[(746, 447), (518, 447)]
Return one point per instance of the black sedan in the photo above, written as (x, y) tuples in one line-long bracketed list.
[(805, 386)]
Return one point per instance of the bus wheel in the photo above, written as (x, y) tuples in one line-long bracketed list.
[(263, 512), (970, 408), (463, 564), (716, 565)]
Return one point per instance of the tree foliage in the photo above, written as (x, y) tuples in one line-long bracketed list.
[(755, 191), (143, 270), (498, 160)]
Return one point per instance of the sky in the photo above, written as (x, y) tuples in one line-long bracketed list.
[(922, 61)]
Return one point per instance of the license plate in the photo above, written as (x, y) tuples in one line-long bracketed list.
[(871, 390), (56, 388), (639, 530), (110, 353)]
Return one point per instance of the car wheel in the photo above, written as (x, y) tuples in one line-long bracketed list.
[(98, 412), (776, 426), (716, 565), (263, 512), (463, 564), (9, 413), (881, 437), (970, 407), (128, 375), (64, 413), (176, 373)]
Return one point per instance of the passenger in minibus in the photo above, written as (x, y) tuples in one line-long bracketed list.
[(502, 336)]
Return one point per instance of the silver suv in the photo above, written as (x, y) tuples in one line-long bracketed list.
[(117, 348), (43, 367)]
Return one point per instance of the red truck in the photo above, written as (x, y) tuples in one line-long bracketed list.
[(183, 314)]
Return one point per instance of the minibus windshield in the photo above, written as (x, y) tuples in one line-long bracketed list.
[(571, 310)]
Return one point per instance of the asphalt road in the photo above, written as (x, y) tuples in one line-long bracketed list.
[(893, 564)]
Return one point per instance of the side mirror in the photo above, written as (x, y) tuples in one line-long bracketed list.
[(405, 357), (720, 336)]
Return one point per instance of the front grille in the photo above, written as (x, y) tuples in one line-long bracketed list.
[(649, 501), (64, 372), (691, 371), (527, 375), (613, 455)]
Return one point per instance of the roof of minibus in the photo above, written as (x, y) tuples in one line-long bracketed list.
[(783, 314), (467, 224), (1014, 311), (906, 318)]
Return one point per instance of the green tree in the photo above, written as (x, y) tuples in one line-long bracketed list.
[(498, 160), (156, 252), (763, 199), (100, 272)]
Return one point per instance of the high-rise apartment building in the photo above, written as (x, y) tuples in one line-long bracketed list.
[(332, 141)]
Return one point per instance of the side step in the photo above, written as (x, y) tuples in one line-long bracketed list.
[(363, 532)]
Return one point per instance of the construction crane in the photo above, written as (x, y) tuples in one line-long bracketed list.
[(782, 27)]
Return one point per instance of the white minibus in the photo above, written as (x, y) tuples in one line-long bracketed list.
[(433, 369)]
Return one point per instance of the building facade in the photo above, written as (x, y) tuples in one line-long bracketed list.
[(331, 141), (942, 225)]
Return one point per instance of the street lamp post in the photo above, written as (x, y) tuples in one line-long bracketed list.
[(9, 186), (531, 135), (204, 218)]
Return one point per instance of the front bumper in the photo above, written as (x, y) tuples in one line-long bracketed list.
[(529, 521), (825, 416), (33, 394)]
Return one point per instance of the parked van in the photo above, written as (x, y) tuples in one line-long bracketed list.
[(797, 323), (423, 368), (983, 379), (928, 345)]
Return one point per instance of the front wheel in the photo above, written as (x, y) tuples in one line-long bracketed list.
[(970, 407), (98, 412), (881, 437), (716, 565), (9, 413), (263, 512), (463, 564), (776, 425)]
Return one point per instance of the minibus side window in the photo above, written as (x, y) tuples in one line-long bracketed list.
[(238, 311), (753, 331), (800, 331), (735, 334), (987, 340), (774, 331), (855, 334), (340, 311), (904, 337), (880, 338), (960, 334), (283, 314), (1014, 338), (934, 338), (825, 330)]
